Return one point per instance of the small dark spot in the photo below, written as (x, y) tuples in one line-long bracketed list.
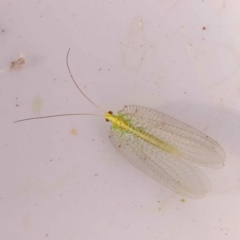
[(204, 28), (110, 112), (96, 174), (99, 69), (3, 30), (16, 105)]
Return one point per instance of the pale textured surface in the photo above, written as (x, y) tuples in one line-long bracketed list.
[(61, 178)]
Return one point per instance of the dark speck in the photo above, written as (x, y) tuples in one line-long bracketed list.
[(204, 28)]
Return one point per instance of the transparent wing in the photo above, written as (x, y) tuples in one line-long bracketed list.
[(168, 169), (195, 146)]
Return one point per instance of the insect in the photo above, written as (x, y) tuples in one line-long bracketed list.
[(161, 146)]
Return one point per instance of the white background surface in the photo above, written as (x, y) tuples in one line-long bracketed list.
[(61, 178)]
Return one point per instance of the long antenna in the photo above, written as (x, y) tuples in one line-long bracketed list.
[(59, 115), (78, 86), (68, 114)]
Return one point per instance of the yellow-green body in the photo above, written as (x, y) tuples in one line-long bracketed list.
[(124, 125)]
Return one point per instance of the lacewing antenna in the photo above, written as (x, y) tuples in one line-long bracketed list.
[(70, 114)]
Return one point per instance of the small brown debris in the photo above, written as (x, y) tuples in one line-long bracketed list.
[(74, 132), (18, 63)]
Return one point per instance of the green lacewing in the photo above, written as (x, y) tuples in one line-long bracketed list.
[(161, 146)]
